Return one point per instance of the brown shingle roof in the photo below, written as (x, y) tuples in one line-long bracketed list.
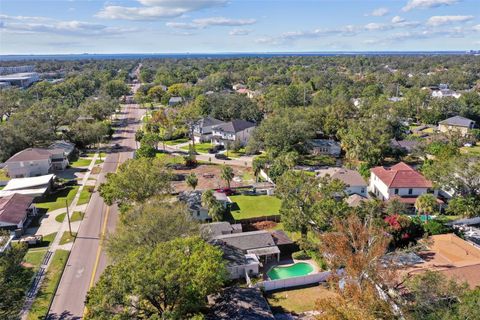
[(13, 208), (401, 175), (349, 177)]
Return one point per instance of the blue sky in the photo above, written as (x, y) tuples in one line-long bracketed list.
[(171, 26)]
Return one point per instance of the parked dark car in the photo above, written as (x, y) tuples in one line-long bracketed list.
[(221, 156), (216, 149)]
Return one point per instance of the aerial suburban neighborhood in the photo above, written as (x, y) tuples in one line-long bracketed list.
[(253, 181)]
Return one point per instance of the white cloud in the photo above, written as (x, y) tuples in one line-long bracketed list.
[(239, 32), (157, 9), (443, 20), (398, 19), (213, 21), (416, 4), (22, 24), (379, 12), (476, 28), (376, 26)]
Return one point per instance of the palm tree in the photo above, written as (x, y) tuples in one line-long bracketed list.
[(227, 174), (215, 209), (426, 204), (192, 181)]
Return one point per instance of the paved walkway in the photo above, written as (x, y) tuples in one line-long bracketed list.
[(50, 225)]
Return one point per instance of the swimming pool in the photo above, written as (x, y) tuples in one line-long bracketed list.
[(295, 270)]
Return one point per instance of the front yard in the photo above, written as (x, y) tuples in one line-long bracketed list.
[(473, 150), (175, 141), (245, 207), (3, 176), (299, 300), (81, 162), (57, 199), (33, 258), (200, 147)]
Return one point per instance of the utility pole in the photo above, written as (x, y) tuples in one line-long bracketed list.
[(68, 217)]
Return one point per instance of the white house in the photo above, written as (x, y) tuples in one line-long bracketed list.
[(230, 132), (202, 130), (32, 186), (399, 181), (34, 162), (355, 184)]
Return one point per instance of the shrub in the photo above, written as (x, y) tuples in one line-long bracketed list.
[(300, 255), (434, 227)]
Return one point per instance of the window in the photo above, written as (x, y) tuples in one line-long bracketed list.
[(396, 191), (363, 190), (410, 191)]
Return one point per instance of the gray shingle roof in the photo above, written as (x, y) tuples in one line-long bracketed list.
[(248, 240), (208, 122), (31, 154), (457, 121), (235, 126), (236, 303)]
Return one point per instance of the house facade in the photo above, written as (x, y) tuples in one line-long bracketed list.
[(14, 211), (203, 129), (33, 162), (399, 181), (456, 124), (231, 132)]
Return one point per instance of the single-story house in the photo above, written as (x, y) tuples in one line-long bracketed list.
[(174, 101), (458, 124), (213, 229), (325, 147), (237, 303), (355, 184), (14, 211), (399, 181), (33, 186), (407, 146), (239, 264), (260, 243), (233, 131), (202, 130), (193, 199)]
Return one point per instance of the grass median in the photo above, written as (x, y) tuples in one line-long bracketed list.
[(47, 290)]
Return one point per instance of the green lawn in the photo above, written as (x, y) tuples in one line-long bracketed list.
[(84, 196), (175, 141), (56, 200), (316, 160), (66, 237), (235, 154), (474, 150), (254, 206), (82, 162), (60, 217), (170, 158), (200, 147), (77, 216), (98, 161), (49, 286), (102, 154), (33, 258)]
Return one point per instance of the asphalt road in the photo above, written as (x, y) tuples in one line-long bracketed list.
[(87, 259)]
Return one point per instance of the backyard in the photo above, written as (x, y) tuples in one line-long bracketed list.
[(297, 301), (245, 207), (473, 150)]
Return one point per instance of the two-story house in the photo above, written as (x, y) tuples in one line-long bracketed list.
[(202, 130), (233, 131), (325, 147), (459, 124), (34, 162), (399, 181)]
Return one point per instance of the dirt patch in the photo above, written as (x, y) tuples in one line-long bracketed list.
[(209, 177), (261, 225)]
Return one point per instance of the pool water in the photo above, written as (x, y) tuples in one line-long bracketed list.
[(295, 270)]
